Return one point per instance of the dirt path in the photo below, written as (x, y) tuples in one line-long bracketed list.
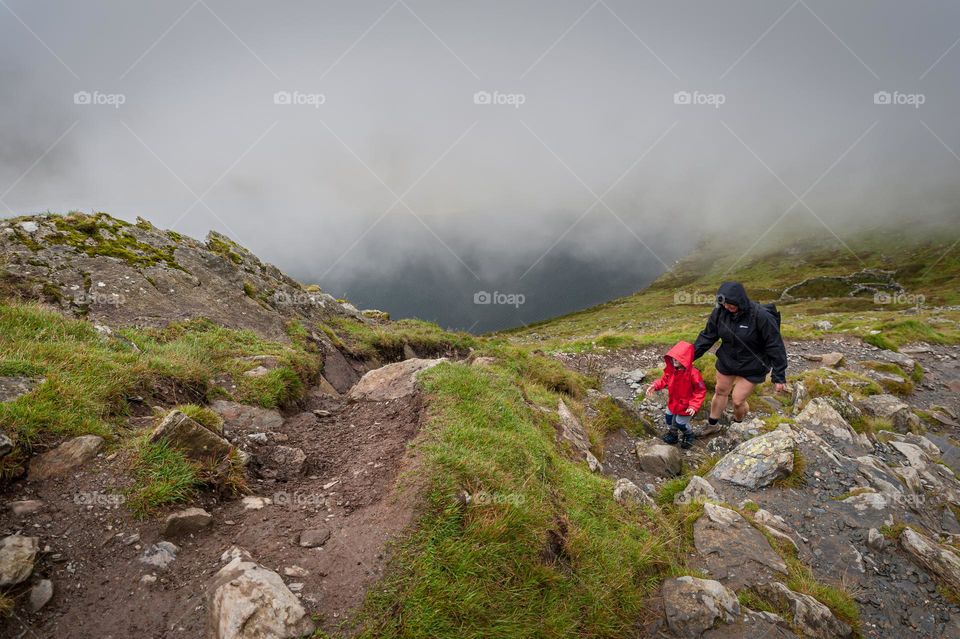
[(347, 488)]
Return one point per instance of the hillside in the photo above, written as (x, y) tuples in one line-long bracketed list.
[(204, 447)]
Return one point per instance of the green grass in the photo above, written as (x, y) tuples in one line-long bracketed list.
[(89, 378), (611, 417), (162, 476), (482, 571), (374, 339), (203, 416)]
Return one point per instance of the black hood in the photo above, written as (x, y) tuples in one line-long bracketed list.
[(733, 293)]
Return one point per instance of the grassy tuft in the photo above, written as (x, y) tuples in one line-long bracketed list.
[(162, 475), (203, 416)]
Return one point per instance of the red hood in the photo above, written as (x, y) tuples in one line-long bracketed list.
[(682, 352)]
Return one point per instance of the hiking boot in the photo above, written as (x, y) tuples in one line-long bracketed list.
[(687, 440), (671, 437)]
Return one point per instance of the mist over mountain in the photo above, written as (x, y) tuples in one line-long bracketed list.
[(411, 154)]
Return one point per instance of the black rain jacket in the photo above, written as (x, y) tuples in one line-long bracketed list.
[(750, 341)]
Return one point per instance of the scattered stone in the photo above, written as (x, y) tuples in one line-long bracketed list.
[(25, 507), (811, 617), (758, 462), (160, 554), (196, 442), (799, 396), (392, 381), (821, 417), (735, 552), (483, 361), (932, 556), (822, 325), (830, 360), (233, 552), (903, 361), (253, 502), (148, 579), (698, 489), (17, 555), (40, 594), (259, 371), (571, 431), (693, 606), (186, 522), (627, 492), (314, 538), (65, 457), (281, 462), (875, 540), (295, 571), (867, 501), (658, 458), (247, 601), (6, 445)]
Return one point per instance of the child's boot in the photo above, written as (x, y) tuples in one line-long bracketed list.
[(671, 436), (687, 438)]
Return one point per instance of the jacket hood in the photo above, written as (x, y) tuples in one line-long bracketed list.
[(682, 352), (733, 293)]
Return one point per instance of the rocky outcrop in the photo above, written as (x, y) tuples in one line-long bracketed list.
[(121, 274), (944, 563), (392, 381), (811, 617), (66, 457), (735, 552), (627, 492), (758, 462), (892, 408), (247, 601), (692, 606), (823, 418)]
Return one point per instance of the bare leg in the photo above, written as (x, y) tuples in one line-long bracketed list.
[(720, 395), (741, 391)]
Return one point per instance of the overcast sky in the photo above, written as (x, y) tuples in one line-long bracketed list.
[(413, 153)]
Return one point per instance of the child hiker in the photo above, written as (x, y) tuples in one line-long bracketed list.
[(685, 392)]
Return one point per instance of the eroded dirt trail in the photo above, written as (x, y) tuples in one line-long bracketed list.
[(324, 502)]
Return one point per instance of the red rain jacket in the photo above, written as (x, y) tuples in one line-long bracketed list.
[(684, 387)]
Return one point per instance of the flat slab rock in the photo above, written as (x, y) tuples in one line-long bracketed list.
[(13, 387), (65, 457), (392, 381), (758, 462), (247, 418), (734, 552)]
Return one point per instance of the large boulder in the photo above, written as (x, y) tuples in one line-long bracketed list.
[(65, 457), (195, 441), (17, 555), (658, 458), (735, 552), (811, 617), (571, 431), (692, 606), (944, 563), (247, 601), (758, 462), (392, 381), (892, 408)]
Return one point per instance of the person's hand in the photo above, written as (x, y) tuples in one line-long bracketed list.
[(690, 411), (649, 391), (780, 387)]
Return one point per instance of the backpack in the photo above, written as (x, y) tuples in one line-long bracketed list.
[(771, 309)]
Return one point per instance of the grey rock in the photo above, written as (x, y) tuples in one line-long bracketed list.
[(392, 381), (195, 441), (6, 445), (822, 325), (40, 594), (314, 538), (282, 462), (17, 556), (758, 462), (572, 432), (811, 617), (15, 386), (243, 418), (626, 492), (658, 458), (735, 552), (698, 489), (693, 606), (875, 540), (25, 507), (892, 408), (160, 554), (932, 556)]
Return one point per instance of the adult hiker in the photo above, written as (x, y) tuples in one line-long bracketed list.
[(750, 347)]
